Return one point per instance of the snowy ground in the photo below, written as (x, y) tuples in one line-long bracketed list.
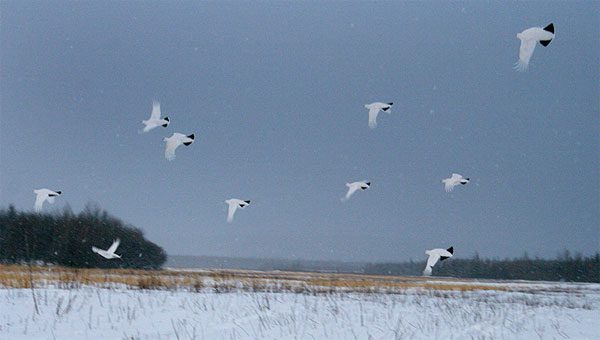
[(527, 311)]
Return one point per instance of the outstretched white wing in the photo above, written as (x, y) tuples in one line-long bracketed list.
[(433, 259), (149, 126), (39, 202), (351, 190), (172, 144), (231, 211), (113, 247), (450, 183), (155, 111), (373, 112), (101, 252), (525, 53)]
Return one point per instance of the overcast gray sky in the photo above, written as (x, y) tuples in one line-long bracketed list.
[(275, 93)]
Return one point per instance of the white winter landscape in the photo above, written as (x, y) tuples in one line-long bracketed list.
[(293, 160), (279, 305)]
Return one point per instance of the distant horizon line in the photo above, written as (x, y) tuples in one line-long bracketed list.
[(571, 253)]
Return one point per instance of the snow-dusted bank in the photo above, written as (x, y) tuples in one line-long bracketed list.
[(447, 309)]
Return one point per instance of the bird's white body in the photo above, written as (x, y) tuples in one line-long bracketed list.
[(374, 109), (234, 204), (155, 120), (175, 141), (354, 186), (529, 39), (456, 179), (110, 252), (436, 255), (43, 195)]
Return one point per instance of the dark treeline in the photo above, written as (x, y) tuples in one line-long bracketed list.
[(67, 239), (564, 268)]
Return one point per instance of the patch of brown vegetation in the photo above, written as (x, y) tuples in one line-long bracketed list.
[(220, 281)]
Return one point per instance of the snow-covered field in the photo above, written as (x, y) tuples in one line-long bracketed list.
[(520, 310)]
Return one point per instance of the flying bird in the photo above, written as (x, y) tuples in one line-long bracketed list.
[(434, 256), (456, 179), (374, 109), (529, 39), (43, 195), (352, 187), (155, 119), (234, 204), (174, 141), (110, 252)]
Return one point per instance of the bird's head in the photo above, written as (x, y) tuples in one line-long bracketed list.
[(190, 141)]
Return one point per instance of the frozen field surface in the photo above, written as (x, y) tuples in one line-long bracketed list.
[(524, 311)]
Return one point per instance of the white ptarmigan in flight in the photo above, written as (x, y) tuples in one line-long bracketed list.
[(529, 39), (174, 141), (456, 179), (155, 119), (110, 252), (352, 187), (43, 195), (234, 204), (374, 109), (434, 256)]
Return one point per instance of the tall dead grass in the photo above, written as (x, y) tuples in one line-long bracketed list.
[(223, 281)]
